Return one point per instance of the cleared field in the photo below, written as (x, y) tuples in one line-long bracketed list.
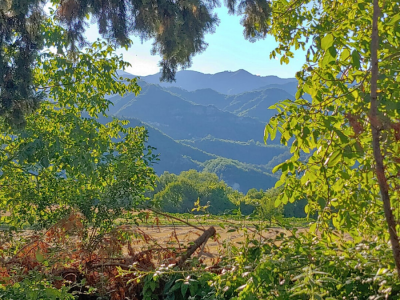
[(180, 237)]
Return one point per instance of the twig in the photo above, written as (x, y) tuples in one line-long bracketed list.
[(111, 265), (26, 246), (175, 218)]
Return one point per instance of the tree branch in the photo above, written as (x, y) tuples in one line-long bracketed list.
[(196, 244), (379, 166)]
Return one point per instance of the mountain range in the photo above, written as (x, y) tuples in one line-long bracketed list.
[(210, 122), (227, 82)]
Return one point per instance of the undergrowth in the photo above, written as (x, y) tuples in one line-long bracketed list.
[(69, 261)]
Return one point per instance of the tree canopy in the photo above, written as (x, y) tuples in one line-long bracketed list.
[(64, 159), (176, 27), (179, 193), (351, 126)]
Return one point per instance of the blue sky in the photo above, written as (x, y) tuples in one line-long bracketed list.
[(227, 51)]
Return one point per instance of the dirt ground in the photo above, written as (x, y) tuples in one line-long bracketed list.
[(180, 237)]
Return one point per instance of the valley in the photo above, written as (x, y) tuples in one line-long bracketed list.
[(209, 122)]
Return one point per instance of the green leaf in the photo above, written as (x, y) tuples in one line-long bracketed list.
[(332, 51), (328, 59), (152, 285), (39, 257), (176, 286), (184, 288), (345, 54), (266, 134), (194, 289), (395, 19), (334, 158), (327, 41), (280, 166), (355, 59), (299, 93)]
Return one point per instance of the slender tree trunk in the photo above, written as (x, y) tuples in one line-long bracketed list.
[(375, 127)]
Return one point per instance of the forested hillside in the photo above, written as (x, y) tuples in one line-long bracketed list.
[(253, 104), (178, 156), (249, 152), (182, 119), (224, 132)]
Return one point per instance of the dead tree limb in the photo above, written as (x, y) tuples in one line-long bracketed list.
[(210, 232)]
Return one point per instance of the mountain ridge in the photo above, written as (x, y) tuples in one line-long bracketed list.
[(225, 82), (182, 119)]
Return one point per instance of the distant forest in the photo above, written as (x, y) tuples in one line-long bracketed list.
[(179, 193)]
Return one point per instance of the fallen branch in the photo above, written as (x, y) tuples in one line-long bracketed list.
[(196, 244), (202, 248)]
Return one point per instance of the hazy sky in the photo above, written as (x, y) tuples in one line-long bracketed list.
[(227, 51)]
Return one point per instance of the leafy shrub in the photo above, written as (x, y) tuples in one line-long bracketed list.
[(298, 266), (34, 287)]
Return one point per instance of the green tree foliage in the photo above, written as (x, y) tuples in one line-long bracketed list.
[(34, 287), (62, 161), (264, 203), (239, 175), (345, 179), (179, 193), (302, 267), (177, 29)]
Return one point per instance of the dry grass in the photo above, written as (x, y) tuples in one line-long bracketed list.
[(180, 236), (138, 250)]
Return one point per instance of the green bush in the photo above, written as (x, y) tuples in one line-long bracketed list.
[(34, 287)]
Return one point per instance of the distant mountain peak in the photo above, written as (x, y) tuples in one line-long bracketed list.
[(187, 71), (242, 71)]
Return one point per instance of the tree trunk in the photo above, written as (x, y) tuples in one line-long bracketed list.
[(375, 127)]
